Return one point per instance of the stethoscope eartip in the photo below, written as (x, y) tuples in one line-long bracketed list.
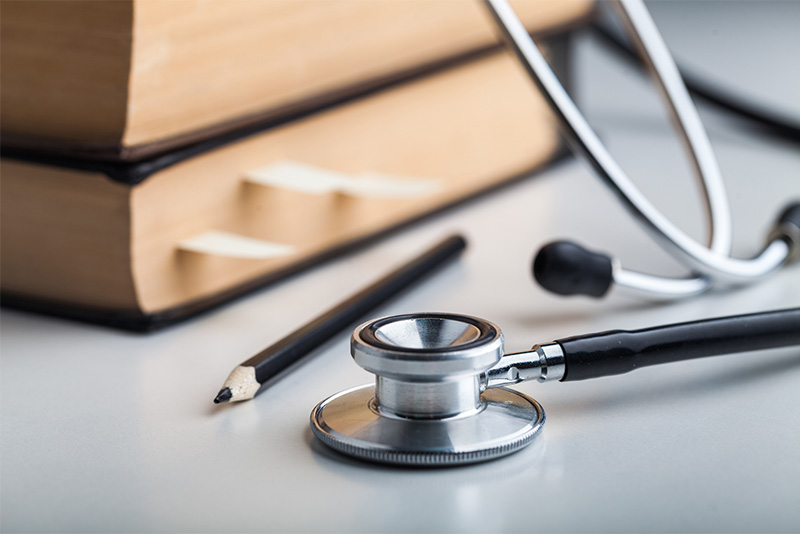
[(566, 268), (787, 228)]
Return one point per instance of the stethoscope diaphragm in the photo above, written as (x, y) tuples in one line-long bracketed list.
[(351, 423)]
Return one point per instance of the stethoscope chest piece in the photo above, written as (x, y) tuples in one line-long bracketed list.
[(429, 405)]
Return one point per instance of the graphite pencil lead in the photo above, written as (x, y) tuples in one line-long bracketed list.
[(224, 395)]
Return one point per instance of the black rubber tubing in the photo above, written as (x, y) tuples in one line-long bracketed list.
[(775, 121), (619, 351)]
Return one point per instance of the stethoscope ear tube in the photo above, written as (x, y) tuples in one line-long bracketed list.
[(620, 351), (708, 264)]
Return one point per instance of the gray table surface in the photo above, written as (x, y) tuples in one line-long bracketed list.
[(106, 431)]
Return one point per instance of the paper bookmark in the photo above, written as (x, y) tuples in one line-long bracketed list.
[(230, 245), (315, 180)]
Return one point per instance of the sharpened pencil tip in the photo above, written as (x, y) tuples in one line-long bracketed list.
[(224, 395)]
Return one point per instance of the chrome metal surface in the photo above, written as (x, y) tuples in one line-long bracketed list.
[(426, 333), (349, 422), (661, 286), (429, 404), (708, 263), (427, 365), (448, 344), (427, 400), (544, 363)]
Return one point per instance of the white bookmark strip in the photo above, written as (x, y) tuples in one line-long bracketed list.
[(378, 185), (298, 177), (230, 245), (315, 180)]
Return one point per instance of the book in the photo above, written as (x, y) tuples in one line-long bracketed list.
[(130, 79), (143, 245)]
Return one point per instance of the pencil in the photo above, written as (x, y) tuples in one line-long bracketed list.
[(247, 379)]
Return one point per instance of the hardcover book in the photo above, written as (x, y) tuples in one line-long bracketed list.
[(129, 79)]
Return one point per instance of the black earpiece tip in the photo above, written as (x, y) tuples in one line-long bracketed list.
[(787, 228), (567, 268), (791, 215)]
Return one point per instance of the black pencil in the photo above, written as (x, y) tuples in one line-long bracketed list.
[(247, 379)]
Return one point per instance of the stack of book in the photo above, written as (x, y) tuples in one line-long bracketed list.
[(159, 158)]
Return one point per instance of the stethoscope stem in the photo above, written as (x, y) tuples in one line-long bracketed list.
[(621, 351)]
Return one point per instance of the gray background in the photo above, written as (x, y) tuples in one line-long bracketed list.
[(106, 431)]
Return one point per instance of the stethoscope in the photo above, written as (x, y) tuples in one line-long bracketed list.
[(438, 397)]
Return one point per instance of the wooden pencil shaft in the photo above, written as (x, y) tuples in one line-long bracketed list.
[(290, 349)]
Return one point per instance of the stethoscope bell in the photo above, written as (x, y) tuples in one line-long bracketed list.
[(429, 404)]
